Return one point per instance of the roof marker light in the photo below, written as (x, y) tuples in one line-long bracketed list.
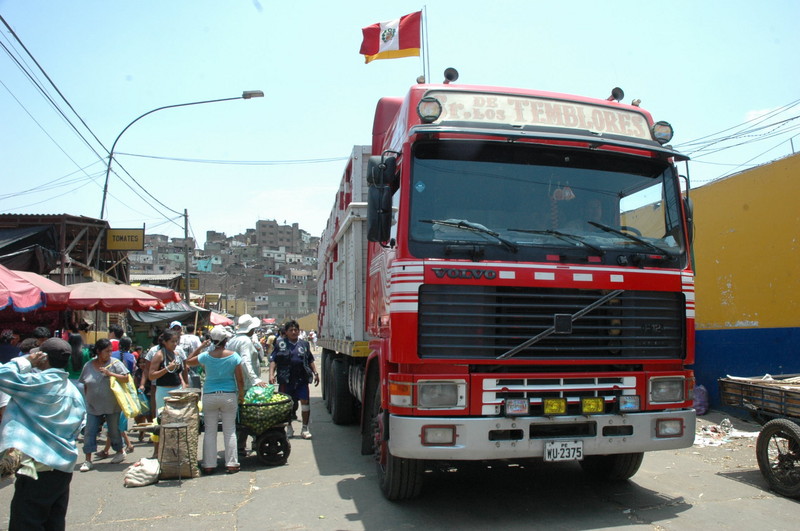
[(429, 109), (662, 132)]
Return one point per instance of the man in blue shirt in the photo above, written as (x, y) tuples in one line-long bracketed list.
[(41, 423)]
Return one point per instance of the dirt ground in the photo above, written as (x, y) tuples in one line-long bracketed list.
[(730, 452)]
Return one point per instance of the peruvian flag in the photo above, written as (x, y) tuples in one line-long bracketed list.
[(392, 39)]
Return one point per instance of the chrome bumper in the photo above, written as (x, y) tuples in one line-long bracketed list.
[(473, 435)]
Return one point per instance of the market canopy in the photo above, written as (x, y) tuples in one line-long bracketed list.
[(109, 297), (163, 294), (219, 319), (173, 311), (18, 293), (56, 295)]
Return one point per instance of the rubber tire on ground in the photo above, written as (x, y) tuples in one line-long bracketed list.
[(399, 478), (343, 408), (782, 475), (327, 374), (616, 467), (367, 429), (273, 448), (325, 356)]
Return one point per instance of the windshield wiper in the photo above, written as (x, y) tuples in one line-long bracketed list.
[(563, 236), (631, 237), (473, 227)]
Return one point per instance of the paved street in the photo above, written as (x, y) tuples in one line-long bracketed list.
[(328, 485)]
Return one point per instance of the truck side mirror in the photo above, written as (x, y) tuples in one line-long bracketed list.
[(381, 170), (379, 213)]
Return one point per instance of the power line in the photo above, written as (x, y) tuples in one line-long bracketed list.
[(238, 162)]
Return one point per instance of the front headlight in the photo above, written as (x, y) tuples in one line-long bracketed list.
[(666, 390), (441, 394)]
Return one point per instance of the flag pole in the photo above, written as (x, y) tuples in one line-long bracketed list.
[(426, 64)]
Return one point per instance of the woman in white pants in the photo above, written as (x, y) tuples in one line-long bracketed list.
[(223, 390)]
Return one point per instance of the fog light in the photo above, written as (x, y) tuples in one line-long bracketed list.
[(592, 405), (438, 435), (669, 428), (629, 403), (516, 406), (555, 406)]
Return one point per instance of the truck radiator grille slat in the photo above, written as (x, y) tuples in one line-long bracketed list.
[(483, 322)]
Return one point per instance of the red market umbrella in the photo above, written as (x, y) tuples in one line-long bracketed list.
[(109, 297), (219, 319), (18, 293), (56, 295), (165, 295)]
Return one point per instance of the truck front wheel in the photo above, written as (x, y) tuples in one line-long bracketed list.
[(612, 467), (400, 478), (343, 408)]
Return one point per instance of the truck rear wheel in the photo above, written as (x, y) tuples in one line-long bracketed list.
[(612, 467), (343, 409), (323, 365), (778, 455), (327, 369), (400, 478)]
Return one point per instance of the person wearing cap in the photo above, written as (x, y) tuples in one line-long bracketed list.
[(42, 423), (223, 390), (242, 344)]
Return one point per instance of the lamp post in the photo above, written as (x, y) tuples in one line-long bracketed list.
[(246, 95)]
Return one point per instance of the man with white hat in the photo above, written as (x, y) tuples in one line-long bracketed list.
[(242, 344)]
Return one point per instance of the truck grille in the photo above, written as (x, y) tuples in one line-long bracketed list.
[(484, 322)]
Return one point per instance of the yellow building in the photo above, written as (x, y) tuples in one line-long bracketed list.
[(747, 252)]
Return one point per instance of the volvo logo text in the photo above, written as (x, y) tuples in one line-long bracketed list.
[(488, 274)]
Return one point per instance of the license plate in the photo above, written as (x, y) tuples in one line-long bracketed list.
[(563, 451)]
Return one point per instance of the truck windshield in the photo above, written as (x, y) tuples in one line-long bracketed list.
[(544, 200)]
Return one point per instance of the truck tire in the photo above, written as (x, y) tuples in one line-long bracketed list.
[(778, 455), (615, 467), (323, 363), (327, 369), (399, 478), (367, 432), (343, 410)]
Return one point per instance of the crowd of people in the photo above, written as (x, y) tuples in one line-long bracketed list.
[(53, 391)]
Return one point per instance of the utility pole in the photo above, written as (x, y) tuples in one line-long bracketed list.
[(186, 253)]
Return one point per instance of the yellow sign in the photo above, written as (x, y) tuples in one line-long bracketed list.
[(194, 284), (125, 239)]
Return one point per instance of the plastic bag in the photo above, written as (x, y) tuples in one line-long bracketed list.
[(700, 400), (141, 473), (127, 396), (259, 395)]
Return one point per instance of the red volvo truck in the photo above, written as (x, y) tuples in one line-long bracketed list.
[(505, 275)]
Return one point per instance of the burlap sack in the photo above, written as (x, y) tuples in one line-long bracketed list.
[(179, 409)]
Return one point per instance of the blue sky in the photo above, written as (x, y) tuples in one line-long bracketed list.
[(705, 67)]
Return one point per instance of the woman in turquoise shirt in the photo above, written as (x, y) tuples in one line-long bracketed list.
[(223, 390)]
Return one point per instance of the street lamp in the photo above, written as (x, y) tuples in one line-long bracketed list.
[(246, 95)]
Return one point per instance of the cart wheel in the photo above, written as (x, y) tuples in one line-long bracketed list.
[(273, 447), (778, 454)]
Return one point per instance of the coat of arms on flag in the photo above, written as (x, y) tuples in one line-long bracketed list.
[(392, 39)]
